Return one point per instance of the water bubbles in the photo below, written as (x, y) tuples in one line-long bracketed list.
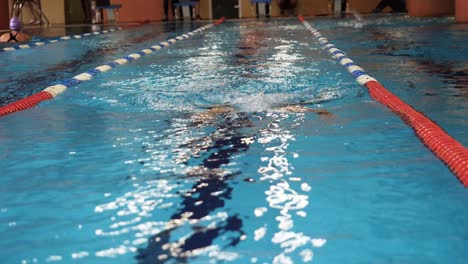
[(114, 252), (318, 242), (282, 259), (79, 255), (282, 194), (260, 211), (53, 258), (301, 213), (260, 233), (305, 187), (307, 255)]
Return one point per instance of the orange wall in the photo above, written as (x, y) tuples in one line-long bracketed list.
[(363, 6), (54, 10), (205, 9), (140, 10), (423, 8), (304, 7), (461, 10), (312, 7), (4, 16)]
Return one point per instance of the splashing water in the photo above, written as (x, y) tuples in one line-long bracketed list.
[(357, 22)]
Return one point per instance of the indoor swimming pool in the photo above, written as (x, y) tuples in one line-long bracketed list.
[(245, 143)]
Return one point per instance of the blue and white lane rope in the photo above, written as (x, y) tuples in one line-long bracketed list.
[(54, 90), (357, 72), (446, 148), (45, 42)]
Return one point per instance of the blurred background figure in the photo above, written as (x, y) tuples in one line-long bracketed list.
[(287, 7), (178, 8), (333, 7), (35, 10), (86, 6), (397, 6), (168, 4), (262, 7), (15, 25), (34, 7)]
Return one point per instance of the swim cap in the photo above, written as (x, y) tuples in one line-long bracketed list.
[(15, 24)]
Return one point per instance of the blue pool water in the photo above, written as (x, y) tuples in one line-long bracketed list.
[(188, 156)]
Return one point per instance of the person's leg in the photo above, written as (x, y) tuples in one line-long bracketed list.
[(256, 10), (15, 21), (86, 7), (381, 6), (292, 5), (177, 10), (191, 12), (283, 7), (197, 10), (16, 10), (41, 13), (397, 5), (166, 9), (36, 17), (267, 10)]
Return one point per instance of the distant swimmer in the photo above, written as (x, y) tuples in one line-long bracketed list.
[(15, 35)]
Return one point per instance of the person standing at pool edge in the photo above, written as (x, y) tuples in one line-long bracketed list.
[(166, 9), (397, 6), (331, 6), (15, 26), (287, 7)]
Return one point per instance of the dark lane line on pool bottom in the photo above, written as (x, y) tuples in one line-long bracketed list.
[(207, 156), (211, 152), (207, 194)]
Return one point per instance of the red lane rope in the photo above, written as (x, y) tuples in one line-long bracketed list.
[(446, 148), (25, 103), (52, 91), (450, 151), (219, 21)]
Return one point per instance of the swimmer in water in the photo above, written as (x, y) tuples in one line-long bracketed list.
[(207, 161), (213, 111), (15, 35)]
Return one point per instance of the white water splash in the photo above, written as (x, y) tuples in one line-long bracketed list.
[(281, 195)]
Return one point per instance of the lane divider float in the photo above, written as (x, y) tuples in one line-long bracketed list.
[(54, 90), (446, 148), (49, 41)]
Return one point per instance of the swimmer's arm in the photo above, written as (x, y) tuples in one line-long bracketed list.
[(302, 109), (4, 37), (321, 112)]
